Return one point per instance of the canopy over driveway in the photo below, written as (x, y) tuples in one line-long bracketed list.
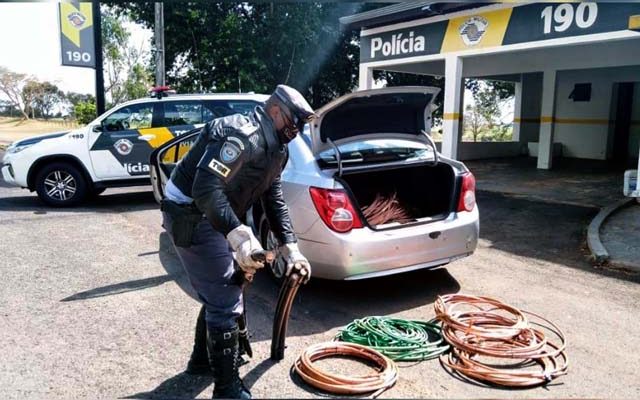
[(575, 66)]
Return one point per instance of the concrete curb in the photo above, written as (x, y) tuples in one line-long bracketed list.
[(598, 251)]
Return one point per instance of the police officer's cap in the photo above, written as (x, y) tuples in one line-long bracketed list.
[(296, 103)]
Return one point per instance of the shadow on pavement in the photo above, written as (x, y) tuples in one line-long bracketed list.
[(535, 229), (120, 288), (181, 386), (322, 304), (252, 376), (169, 261), (590, 183), (105, 203)]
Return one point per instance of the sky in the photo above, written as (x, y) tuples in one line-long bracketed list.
[(30, 43)]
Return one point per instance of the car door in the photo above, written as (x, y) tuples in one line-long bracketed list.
[(126, 139), (180, 118), (165, 158)]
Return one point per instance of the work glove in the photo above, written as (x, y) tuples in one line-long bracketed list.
[(295, 260), (244, 243)]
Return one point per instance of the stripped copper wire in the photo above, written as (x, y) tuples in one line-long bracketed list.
[(482, 327), (386, 209)]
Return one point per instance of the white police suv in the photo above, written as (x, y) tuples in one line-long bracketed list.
[(113, 150)]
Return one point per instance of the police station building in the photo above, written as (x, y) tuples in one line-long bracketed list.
[(576, 69)]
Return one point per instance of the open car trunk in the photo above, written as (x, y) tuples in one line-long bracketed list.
[(418, 194)]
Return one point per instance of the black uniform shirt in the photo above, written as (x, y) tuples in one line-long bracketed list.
[(236, 161)]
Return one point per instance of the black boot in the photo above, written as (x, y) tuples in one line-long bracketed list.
[(199, 361), (223, 358)]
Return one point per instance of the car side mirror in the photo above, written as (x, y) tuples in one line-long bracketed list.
[(97, 128)]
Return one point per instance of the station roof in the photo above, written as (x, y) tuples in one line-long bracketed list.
[(405, 11)]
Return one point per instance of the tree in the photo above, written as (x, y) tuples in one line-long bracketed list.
[(7, 108), (502, 89), (473, 121), (41, 97), (75, 98), (72, 99), (240, 47), (485, 115), (84, 112), (126, 68), (11, 84)]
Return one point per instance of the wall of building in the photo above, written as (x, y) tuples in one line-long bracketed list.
[(584, 128), (483, 150)]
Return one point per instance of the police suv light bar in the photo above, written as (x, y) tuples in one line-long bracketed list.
[(161, 91)]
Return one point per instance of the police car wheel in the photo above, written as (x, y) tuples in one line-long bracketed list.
[(269, 242), (61, 185)]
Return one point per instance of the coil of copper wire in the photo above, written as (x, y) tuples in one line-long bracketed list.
[(497, 343), (375, 383)]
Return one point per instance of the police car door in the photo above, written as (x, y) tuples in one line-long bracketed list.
[(128, 137)]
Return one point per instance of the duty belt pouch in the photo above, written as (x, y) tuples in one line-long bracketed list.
[(185, 218)]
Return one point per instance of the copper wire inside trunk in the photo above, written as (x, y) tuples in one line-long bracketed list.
[(386, 209)]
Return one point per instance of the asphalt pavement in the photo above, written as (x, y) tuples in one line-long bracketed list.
[(93, 304)]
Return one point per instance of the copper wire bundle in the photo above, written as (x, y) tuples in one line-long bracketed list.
[(484, 327), (385, 209), (376, 383)]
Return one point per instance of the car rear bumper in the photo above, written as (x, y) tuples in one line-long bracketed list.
[(364, 253)]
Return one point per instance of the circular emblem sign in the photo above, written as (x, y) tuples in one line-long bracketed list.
[(123, 146), (76, 19), (473, 29)]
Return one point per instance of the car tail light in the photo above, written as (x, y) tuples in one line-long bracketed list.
[(335, 209), (467, 199)]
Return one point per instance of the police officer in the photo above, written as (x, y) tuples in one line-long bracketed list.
[(235, 161)]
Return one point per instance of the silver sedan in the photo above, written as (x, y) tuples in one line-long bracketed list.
[(367, 191)]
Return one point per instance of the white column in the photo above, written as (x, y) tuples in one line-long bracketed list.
[(547, 113), (365, 80), (517, 111), (451, 114)]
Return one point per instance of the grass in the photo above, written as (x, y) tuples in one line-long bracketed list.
[(12, 129)]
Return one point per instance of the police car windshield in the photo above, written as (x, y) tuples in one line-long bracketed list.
[(376, 150)]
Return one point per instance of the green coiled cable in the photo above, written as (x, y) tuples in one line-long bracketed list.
[(398, 339)]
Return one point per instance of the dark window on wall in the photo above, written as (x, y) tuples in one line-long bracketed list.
[(581, 92)]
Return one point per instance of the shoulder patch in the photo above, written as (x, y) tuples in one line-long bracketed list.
[(229, 152)]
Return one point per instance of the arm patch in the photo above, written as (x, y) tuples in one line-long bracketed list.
[(224, 158), (219, 168)]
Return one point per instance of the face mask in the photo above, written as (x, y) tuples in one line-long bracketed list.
[(288, 133)]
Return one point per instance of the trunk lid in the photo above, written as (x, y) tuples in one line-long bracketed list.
[(395, 113)]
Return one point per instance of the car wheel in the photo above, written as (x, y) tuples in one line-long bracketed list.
[(269, 242), (61, 185)]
